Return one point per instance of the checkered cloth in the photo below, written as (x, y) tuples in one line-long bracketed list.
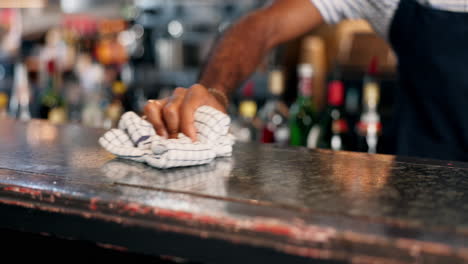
[(136, 139)]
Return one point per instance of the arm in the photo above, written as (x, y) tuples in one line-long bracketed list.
[(234, 58), (247, 42)]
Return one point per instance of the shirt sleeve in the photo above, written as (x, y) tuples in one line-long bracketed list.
[(333, 11)]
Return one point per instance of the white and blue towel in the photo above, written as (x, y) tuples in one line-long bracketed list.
[(135, 139)]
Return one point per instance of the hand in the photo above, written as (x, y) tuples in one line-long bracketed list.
[(175, 114)]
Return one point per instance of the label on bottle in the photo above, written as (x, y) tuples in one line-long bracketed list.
[(365, 128), (336, 93), (371, 94), (305, 86), (340, 126), (248, 109), (57, 115), (276, 82), (282, 135), (3, 100), (312, 138)]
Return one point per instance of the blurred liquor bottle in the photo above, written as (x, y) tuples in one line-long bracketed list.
[(372, 71), (96, 100), (52, 103), (21, 94), (303, 112), (369, 127), (274, 113), (3, 105), (313, 51), (352, 112), (74, 97), (332, 131), (115, 109), (243, 127)]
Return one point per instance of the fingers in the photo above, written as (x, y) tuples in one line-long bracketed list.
[(153, 113), (171, 112), (177, 113), (192, 101)]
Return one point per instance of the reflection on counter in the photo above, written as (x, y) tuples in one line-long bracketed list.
[(210, 177)]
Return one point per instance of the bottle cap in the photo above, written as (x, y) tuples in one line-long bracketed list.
[(336, 93), (119, 88), (373, 66), (51, 66), (305, 70), (276, 82), (248, 109), (248, 90)]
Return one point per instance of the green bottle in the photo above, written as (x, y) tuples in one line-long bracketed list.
[(52, 103), (303, 112), (333, 129)]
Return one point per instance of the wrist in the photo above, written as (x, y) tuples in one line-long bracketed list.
[(220, 96)]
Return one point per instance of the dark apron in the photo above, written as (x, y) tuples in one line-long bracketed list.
[(432, 98)]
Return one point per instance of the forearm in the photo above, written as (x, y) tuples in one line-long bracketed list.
[(238, 53), (244, 45)]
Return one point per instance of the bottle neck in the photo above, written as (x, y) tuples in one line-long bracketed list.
[(53, 81), (335, 109), (335, 112), (275, 97)]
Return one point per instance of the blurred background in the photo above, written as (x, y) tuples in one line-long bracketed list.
[(89, 61)]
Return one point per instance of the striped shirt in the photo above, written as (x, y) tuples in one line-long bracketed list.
[(379, 13)]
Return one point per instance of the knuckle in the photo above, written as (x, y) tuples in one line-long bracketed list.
[(170, 110), (179, 91), (150, 107), (147, 107), (198, 87), (147, 110)]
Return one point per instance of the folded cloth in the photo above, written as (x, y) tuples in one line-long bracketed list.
[(136, 139)]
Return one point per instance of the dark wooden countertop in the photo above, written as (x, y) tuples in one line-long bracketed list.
[(285, 205)]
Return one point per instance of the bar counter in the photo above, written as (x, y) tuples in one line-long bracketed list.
[(265, 204)]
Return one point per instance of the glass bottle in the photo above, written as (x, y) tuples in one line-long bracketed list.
[(303, 112)]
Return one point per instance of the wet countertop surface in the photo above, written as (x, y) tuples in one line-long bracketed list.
[(314, 204)]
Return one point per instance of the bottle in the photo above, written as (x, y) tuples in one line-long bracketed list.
[(73, 96), (352, 114), (96, 100), (369, 127), (243, 128), (21, 94), (303, 111), (52, 103), (115, 109), (274, 113), (3, 105), (371, 75), (333, 128)]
